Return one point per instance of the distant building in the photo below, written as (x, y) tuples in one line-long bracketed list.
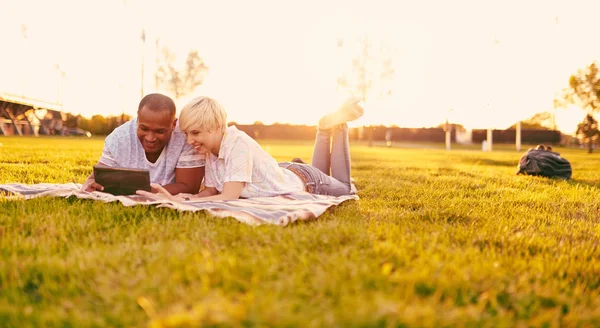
[(26, 116)]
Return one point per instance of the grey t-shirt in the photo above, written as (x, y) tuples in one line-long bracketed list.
[(122, 148)]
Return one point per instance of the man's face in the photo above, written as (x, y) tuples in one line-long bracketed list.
[(154, 129)]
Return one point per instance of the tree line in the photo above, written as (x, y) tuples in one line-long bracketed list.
[(97, 124)]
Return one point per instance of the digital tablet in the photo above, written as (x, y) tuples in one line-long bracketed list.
[(120, 180)]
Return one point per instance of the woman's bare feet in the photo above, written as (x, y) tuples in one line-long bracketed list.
[(349, 111)]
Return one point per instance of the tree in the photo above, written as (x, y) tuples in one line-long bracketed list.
[(539, 121), (588, 130), (451, 126), (181, 82), (97, 124), (72, 120), (584, 89), (369, 76)]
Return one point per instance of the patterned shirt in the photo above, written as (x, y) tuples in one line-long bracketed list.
[(241, 159), (122, 148)]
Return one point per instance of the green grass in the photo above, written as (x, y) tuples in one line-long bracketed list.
[(437, 239)]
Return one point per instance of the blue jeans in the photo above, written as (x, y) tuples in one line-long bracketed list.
[(329, 173)]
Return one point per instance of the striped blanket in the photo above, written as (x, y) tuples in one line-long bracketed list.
[(279, 210)]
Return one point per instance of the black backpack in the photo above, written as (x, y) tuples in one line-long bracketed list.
[(545, 163)]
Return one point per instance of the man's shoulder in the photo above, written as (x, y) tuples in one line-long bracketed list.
[(120, 146), (187, 156), (177, 139), (124, 129), (179, 147)]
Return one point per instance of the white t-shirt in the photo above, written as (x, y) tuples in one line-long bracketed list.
[(122, 148), (241, 159)]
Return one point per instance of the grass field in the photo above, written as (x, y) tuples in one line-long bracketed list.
[(437, 239)]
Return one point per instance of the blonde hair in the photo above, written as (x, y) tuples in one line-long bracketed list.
[(203, 113)]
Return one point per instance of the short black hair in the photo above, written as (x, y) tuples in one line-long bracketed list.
[(158, 102)]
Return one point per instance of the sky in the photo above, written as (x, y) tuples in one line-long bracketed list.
[(481, 63)]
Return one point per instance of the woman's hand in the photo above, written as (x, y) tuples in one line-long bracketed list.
[(159, 193)]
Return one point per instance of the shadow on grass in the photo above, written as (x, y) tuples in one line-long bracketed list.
[(492, 162), (578, 182), (550, 181), (445, 171), (24, 161), (347, 210)]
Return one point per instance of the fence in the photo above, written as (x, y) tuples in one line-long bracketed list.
[(379, 133)]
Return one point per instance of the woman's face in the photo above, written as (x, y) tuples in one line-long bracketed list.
[(205, 141)]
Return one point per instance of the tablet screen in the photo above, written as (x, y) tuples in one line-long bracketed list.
[(122, 181)]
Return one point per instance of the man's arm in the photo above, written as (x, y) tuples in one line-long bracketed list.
[(106, 159), (187, 180), (90, 184)]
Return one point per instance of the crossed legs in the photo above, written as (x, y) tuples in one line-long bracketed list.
[(331, 153)]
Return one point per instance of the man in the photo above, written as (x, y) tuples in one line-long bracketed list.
[(154, 142)]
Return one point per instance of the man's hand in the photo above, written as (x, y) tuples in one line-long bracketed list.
[(91, 185)]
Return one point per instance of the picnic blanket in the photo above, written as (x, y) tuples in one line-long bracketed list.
[(279, 210)]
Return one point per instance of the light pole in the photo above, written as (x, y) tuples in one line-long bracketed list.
[(489, 140), (518, 137), (494, 56), (489, 137), (25, 78), (157, 65), (143, 36), (60, 74), (555, 104), (448, 131), (556, 101)]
